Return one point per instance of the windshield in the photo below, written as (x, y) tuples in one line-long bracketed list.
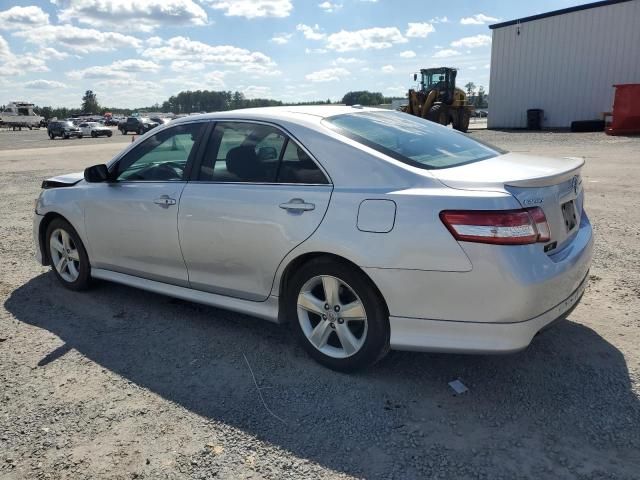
[(411, 139)]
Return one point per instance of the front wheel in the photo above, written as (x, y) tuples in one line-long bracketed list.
[(93, 135), (68, 256), (338, 315), (124, 132), (66, 137), (52, 136)]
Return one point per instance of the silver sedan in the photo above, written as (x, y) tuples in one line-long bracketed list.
[(363, 229)]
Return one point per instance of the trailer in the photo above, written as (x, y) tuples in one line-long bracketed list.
[(20, 114)]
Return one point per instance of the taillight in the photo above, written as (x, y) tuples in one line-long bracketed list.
[(501, 227)]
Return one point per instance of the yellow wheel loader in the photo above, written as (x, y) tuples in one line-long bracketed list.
[(439, 100)]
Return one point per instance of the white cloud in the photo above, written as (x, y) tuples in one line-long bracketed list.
[(330, 7), (23, 17), (439, 20), (388, 69), (134, 65), (44, 84), (186, 66), (253, 8), (215, 79), (133, 15), (81, 40), (14, 65), (446, 52), (260, 70), (154, 41), (47, 53), (368, 38), (327, 75), (419, 30), (120, 69), (281, 38), (311, 32), (315, 50), (254, 91), (182, 48), (408, 54), (472, 42), (346, 61), (478, 19)]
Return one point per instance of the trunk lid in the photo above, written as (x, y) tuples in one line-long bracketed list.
[(553, 184)]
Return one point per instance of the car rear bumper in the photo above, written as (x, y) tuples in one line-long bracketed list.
[(420, 334), (510, 294)]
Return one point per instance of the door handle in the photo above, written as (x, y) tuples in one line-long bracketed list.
[(165, 201), (297, 205)]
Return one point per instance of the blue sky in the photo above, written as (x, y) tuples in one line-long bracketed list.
[(135, 53)]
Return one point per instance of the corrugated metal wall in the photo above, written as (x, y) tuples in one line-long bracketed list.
[(565, 64)]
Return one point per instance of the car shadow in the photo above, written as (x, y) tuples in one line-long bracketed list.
[(400, 416)]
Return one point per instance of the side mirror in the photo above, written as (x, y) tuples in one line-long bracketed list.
[(267, 153), (415, 77), (96, 174)]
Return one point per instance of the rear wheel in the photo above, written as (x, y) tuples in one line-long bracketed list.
[(65, 136), (141, 131), (338, 315), (52, 136), (68, 256), (93, 134), (124, 132), (461, 120)]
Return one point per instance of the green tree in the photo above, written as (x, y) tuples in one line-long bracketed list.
[(471, 87), (363, 97), (481, 101), (90, 102)]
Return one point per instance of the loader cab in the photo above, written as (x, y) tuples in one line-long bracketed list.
[(441, 79)]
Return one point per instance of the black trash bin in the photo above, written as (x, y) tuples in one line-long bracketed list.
[(534, 118)]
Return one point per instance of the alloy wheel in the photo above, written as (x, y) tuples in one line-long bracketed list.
[(64, 255), (332, 316)]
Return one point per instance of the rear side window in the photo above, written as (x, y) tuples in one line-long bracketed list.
[(242, 152), (411, 139)]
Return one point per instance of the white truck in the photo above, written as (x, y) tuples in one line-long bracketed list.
[(18, 115)]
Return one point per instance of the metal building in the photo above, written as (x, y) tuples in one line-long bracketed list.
[(564, 62)]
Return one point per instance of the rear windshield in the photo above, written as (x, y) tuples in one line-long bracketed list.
[(411, 139)]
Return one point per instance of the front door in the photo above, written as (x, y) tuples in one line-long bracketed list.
[(131, 221), (257, 196)]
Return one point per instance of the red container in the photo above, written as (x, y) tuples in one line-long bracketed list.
[(626, 110)]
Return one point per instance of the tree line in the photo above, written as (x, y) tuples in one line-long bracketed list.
[(214, 101)]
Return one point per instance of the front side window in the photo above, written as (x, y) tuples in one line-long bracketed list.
[(411, 139), (161, 158)]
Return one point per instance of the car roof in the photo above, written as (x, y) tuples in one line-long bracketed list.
[(285, 113)]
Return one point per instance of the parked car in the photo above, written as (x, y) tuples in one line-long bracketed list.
[(137, 125), (364, 229), (62, 128), (160, 120), (95, 129)]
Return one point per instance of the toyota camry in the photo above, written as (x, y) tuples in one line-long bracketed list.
[(362, 229)]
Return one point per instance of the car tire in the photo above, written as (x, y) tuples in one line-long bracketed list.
[(337, 342), (66, 137), (68, 257), (79, 136), (109, 134), (52, 136), (93, 135), (141, 131), (124, 132)]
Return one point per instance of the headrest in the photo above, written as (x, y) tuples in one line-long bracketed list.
[(243, 162)]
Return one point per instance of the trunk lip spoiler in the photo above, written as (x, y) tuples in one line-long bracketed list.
[(555, 178)]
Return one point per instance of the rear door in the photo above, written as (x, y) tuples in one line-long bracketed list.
[(256, 196)]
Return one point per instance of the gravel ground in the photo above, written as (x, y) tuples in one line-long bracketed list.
[(120, 383)]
